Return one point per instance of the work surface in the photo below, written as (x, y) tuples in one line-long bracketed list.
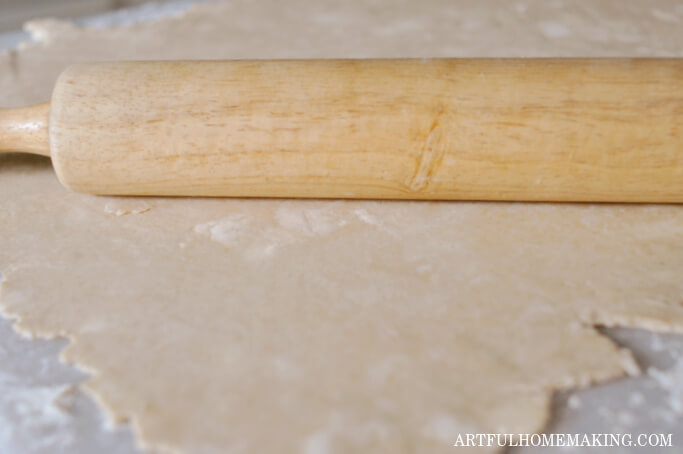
[(603, 261)]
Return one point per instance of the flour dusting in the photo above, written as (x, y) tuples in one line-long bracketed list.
[(671, 381), (121, 208), (554, 29), (227, 231), (34, 415)]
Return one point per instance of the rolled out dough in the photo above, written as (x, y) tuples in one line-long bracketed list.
[(265, 326)]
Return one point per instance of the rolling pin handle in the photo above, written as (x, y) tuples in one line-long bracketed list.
[(25, 129)]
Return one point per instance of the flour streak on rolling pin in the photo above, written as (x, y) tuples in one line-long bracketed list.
[(602, 130)]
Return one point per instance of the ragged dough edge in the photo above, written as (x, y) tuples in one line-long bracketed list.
[(43, 31), (70, 355), (639, 322), (113, 417)]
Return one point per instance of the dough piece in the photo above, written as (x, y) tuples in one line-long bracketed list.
[(326, 327)]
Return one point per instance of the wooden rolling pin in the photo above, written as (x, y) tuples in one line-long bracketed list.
[(604, 130)]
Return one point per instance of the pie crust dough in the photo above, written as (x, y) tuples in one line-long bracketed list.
[(271, 326)]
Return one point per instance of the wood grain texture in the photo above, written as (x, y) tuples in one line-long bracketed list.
[(607, 130), (25, 129)]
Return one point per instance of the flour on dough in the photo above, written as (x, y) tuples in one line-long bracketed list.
[(268, 326)]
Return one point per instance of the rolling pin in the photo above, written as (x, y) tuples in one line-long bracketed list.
[(567, 130)]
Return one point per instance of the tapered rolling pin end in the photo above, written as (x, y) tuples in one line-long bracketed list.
[(25, 129)]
